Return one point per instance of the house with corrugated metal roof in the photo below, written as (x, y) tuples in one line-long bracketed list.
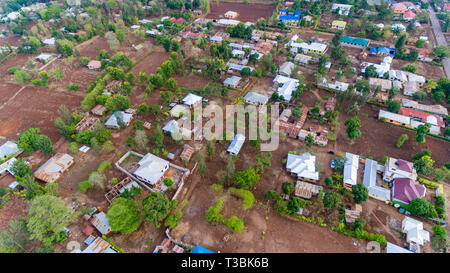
[(370, 182), (351, 170), (151, 168), (236, 144), (8, 149), (99, 246), (354, 42), (306, 190), (101, 223), (255, 98), (52, 170)]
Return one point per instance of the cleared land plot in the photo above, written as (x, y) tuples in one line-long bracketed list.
[(247, 12), (35, 107)]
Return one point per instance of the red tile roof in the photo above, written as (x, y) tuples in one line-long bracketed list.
[(447, 6), (88, 230), (178, 21), (423, 116), (406, 189), (409, 15)]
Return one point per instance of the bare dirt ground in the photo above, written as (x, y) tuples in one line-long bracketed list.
[(150, 63), (297, 236), (247, 12), (35, 107), (14, 208)]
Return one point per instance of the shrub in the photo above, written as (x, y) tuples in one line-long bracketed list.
[(168, 182), (247, 196), (213, 216), (217, 187), (84, 186), (73, 148), (270, 195), (235, 224), (104, 166)]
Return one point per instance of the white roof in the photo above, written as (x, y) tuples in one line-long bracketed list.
[(303, 165), (178, 110), (393, 116), (8, 148), (415, 231), (236, 144), (310, 47), (286, 68), (191, 99), (391, 248), (255, 98), (216, 39), (112, 121), (228, 22), (5, 166), (370, 181), (49, 41), (151, 168), (289, 85), (232, 81), (351, 169), (237, 52), (44, 56)]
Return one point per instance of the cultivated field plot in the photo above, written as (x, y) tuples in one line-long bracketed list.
[(151, 62), (35, 107), (13, 209), (74, 73), (247, 12), (296, 236)]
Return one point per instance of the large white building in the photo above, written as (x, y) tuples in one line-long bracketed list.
[(351, 170), (151, 168), (303, 166), (286, 86)]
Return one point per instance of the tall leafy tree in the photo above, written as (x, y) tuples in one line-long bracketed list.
[(156, 207), (124, 216)]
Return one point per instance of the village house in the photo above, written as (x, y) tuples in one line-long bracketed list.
[(330, 104), (94, 65), (187, 153), (423, 117), (381, 69), (382, 51), (52, 170), (303, 166), (179, 110), (313, 47), (342, 9), (289, 19), (87, 123), (237, 68), (193, 35), (337, 85), (236, 145), (113, 122), (351, 170), (338, 25), (415, 234), (371, 168), (232, 81), (227, 22), (398, 27), (352, 214), (237, 53), (318, 133), (409, 15), (404, 190), (98, 245), (151, 169), (291, 129), (285, 86), (303, 59), (101, 223), (191, 100), (9, 149), (354, 42), (5, 166), (391, 248), (398, 168), (306, 190), (286, 69), (44, 57), (435, 109), (230, 14), (98, 110), (385, 85), (49, 41), (173, 128), (255, 98)]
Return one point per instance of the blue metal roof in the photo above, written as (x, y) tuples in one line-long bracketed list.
[(283, 10), (383, 50), (297, 12), (289, 18), (373, 50), (199, 249)]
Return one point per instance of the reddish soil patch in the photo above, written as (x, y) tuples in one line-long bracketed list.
[(35, 107), (378, 139), (14, 208), (150, 63), (247, 12)]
